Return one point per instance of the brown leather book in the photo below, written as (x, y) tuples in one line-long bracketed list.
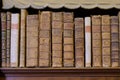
[(22, 37), (57, 39), (32, 40), (79, 42), (68, 50), (45, 39), (114, 41), (106, 60), (4, 39), (8, 38), (96, 41), (119, 37)]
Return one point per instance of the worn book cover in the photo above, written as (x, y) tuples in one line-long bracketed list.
[(68, 50), (79, 42), (114, 41), (57, 31), (96, 41), (106, 56), (45, 39), (32, 40)]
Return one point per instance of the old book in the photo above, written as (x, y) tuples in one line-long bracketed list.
[(119, 36), (14, 40), (8, 39), (79, 42), (68, 50), (106, 60), (45, 39), (96, 41), (57, 39), (88, 42), (23, 37), (114, 41), (32, 40), (4, 39)]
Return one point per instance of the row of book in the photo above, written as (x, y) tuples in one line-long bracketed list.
[(58, 39)]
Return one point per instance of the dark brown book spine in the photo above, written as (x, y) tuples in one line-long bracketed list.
[(8, 38), (96, 41), (57, 39), (68, 52), (32, 41), (4, 38), (114, 41), (119, 37), (106, 62), (45, 39), (79, 42)]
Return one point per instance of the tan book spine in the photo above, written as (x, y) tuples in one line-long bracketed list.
[(8, 38), (45, 39), (57, 39), (14, 40), (106, 60), (79, 42), (22, 37), (68, 50), (96, 41), (32, 40), (4, 39), (114, 41)]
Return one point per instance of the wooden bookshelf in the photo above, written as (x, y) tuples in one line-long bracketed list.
[(93, 73)]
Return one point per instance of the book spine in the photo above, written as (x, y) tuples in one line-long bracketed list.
[(87, 42), (45, 39), (8, 38), (96, 41), (119, 37), (22, 37), (79, 42), (4, 38), (14, 40), (57, 39), (114, 41), (32, 40), (68, 51), (106, 62)]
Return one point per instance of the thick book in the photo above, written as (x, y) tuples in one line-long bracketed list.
[(106, 60), (88, 42), (79, 42), (68, 50), (96, 41), (57, 39), (22, 37), (32, 25), (14, 40), (4, 39), (8, 39), (114, 41), (45, 39)]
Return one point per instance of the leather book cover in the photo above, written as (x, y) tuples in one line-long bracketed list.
[(79, 42), (96, 41), (106, 60), (32, 26), (114, 41), (68, 49), (57, 47), (45, 39)]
